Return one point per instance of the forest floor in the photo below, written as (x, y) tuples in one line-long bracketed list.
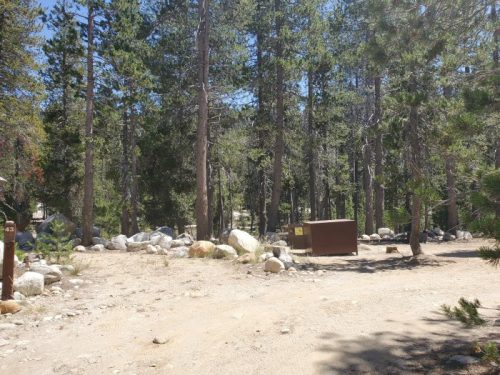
[(369, 314)]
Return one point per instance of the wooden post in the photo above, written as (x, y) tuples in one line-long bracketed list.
[(8, 261)]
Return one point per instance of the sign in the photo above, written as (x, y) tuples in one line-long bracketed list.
[(299, 231)]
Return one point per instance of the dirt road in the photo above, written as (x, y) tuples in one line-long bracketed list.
[(373, 313)]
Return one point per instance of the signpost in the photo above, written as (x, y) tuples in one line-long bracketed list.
[(8, 260)]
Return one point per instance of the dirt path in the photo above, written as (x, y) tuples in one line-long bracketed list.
[(368, 314)]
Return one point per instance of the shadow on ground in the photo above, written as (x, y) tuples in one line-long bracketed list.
[(398, 354), (459, 254), (370, 265)]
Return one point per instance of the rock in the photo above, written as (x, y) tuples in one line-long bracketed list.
[(96, 232), (137, 246), (179, 252), (391, 249), (46, 225), (246, 258), (365, 237), (463, 360), (385, 232), (201, 249), (438, 231), (118, 243), (165, 230), (25, 241), (19, 296), (97, 248), (80, 249), (468, 236), (9, 307), (225, 251), (139, 237), (150, 249), (279, 243), (68, 268), (243, 242), (186, 238), (375, 237), (177, 243), (51, 274), (460, 235), (448, 237), (29, 284), (265, 256), (273, 265), (292, 269), (99, 241), (162, 240), (285, 330), (160, 340)]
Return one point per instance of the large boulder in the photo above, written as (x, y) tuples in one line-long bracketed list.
[(51, 274), (96, 232), (100, 241), (139, 237), (25, 241), (201, 249), (385, 232), (273, 265), (243, 242), (375, 237), (137, 246), (179, 252), (225, 251), (165, 230), (29, 284), (365, 237), (161, 239), (118, 243), (16, 260), (46, 225)]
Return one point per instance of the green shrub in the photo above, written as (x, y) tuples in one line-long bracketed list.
[(56, 245), (466, 312)]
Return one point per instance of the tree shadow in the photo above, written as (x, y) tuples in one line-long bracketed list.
[(371, 265), (459, 254), (392, 353)]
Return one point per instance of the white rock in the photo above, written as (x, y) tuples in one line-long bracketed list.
[(265, 256), (375, 237), (225, 251), (19, 296), (438, 231), (179, 252), (243, 242), (385, 232), (29, 284), (467, 236), (273, 265), (365, 237), (139, 237), (118, 243), (51, 274), (177, 243), (150, 249), (460, 235), (68, 268), (137, 246), (162, 240), (98, 248), (80, 249)]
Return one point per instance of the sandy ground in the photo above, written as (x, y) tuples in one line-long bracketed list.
[(368, 314)]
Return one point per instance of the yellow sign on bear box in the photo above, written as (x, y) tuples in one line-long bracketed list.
[(299, 231)]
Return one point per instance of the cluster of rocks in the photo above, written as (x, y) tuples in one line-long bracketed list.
[(237, 245), (431, 235)]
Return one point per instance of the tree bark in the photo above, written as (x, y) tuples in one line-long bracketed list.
[(450, 165), (368, 186), (379, 155), (202, 129), (415, 160), (279, 146), (312, 147), (88, 181), (134, 191), (125, 218)]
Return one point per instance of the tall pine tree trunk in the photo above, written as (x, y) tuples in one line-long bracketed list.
[(279, 146), (88, 180), (312, 147), (379, 155), (125, 181), (496, 34), (450, 166), (134, 191), (202, 129), (368, 186), (261, 134), (415, 160)]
